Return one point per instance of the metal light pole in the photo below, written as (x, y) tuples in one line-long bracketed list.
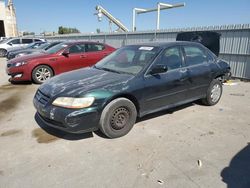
[(160, 6)]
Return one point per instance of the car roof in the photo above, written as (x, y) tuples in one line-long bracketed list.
[(80, 42), (166, 44)]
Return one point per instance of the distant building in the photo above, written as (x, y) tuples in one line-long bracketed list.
[(8, 25)]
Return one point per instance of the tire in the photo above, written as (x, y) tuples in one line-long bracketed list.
[(214, 93), (118, 118), (42, 73), (3, 52)]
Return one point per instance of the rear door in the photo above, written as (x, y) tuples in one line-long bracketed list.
[(168, 88), (198, 69), (94, 53)]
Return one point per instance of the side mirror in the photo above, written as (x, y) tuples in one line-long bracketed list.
[(10, 44), (158, 69), (66, 53)]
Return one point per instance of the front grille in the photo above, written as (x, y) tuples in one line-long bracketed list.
[(42, 98)]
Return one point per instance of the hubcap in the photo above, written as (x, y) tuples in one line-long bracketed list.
[(2, 52), (119, 118), (42, 74), (215, 93)]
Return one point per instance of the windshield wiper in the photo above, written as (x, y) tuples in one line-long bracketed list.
[(107, 69), (110, 70)]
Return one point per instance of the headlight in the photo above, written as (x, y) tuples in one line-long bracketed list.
[(20, 55), (68, 102), (18, 64)]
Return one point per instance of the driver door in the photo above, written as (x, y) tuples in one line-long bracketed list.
[(75, 59), (14, 44), (168, 88)]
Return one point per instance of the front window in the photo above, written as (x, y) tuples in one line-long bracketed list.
[(130, 59), (15, 41), (171, 57), (57, 48), (78, 48)]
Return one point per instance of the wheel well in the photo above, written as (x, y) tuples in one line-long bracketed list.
[(44, 65), (129, 97), (220, 77)]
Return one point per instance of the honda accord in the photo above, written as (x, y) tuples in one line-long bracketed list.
[(132, 82)]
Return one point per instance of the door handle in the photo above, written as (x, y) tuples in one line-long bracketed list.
[(105, 54), (183, 70), (53, 59), (83, 56)]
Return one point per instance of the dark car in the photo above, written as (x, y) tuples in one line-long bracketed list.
[(30, 46), (132, 82), (64, 57), (32, 49)]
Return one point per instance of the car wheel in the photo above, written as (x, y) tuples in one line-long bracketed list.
[(3, 52), (41, 73), (118, 118), (214, 93)]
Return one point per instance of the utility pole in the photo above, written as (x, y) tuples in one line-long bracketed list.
[(160, 6)]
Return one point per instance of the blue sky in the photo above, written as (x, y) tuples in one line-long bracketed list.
[(48, 15)]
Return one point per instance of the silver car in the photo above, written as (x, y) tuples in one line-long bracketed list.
[(14, 43)]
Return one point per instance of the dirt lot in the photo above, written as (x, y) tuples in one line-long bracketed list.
[(191, 146)]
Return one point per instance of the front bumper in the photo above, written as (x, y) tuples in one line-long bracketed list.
[(10, 56), (21, 73), (68, 120)]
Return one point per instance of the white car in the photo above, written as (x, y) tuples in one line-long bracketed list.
[(14, 43)]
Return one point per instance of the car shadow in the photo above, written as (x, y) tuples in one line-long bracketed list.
[(237, 174), (164, 112), (21, 83), (61, 134)]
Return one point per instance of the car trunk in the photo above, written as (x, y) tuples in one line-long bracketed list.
[(209, 39)]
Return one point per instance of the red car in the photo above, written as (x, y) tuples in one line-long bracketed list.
[(61, 58)]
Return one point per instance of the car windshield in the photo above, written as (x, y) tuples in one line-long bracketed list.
[(56, 48), (33, 45), (43, 46), (130, 59)]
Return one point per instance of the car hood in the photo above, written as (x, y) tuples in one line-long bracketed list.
[(79, 82), (29, 57)]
